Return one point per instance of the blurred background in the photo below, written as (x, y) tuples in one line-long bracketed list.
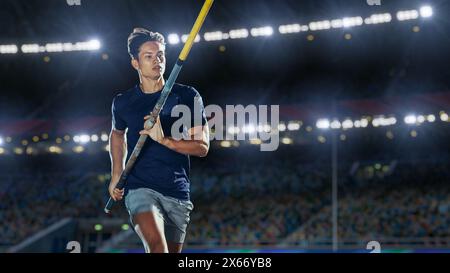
[(364, 95)]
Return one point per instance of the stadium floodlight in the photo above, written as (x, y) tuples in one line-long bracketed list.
[(293, 126), (382, 121), (86, 46), (184, 38), (407, 15), (250, 128), (378, 19), (335, 124), (410, 119), (364, 122), (261, 31), (233, 130), (85, 138), (337, 23), (347, 124), (94, 138), (323, 124), (263, 128), (388, 121), (1, 141), (30, 48), (104, 137), (392, 120), (238, 33), (320, 25), (376, 122), (61, 47), (8, 49), (215, 36), (352, 21), (293, 28), (93, 45), (281, 127), (67, 47), (426, 11), (431, 118), (173, 39), (420, 119), (54, 47), (444, 116)]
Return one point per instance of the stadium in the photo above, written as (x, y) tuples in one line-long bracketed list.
[(362, 96)]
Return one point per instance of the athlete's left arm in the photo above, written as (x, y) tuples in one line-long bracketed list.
[(197, 145)]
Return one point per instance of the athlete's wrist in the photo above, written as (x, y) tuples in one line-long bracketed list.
[(165, 141)]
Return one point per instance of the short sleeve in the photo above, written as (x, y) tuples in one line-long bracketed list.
[(117, 122), (195, 102)]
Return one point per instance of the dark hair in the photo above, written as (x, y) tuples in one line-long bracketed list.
[(140, 36)]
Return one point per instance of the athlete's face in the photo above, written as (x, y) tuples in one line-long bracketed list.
[(152, 60)]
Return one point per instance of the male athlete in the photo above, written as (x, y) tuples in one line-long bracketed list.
[(157, 189)]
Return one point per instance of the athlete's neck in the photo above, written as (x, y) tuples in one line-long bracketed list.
[(149, 86)]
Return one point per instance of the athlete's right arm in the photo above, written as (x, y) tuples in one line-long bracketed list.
[(117, 153)]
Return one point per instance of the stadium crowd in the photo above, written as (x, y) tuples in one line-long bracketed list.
[(240, 204)]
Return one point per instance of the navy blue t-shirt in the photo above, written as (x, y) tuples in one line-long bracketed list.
[(157, 167)]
